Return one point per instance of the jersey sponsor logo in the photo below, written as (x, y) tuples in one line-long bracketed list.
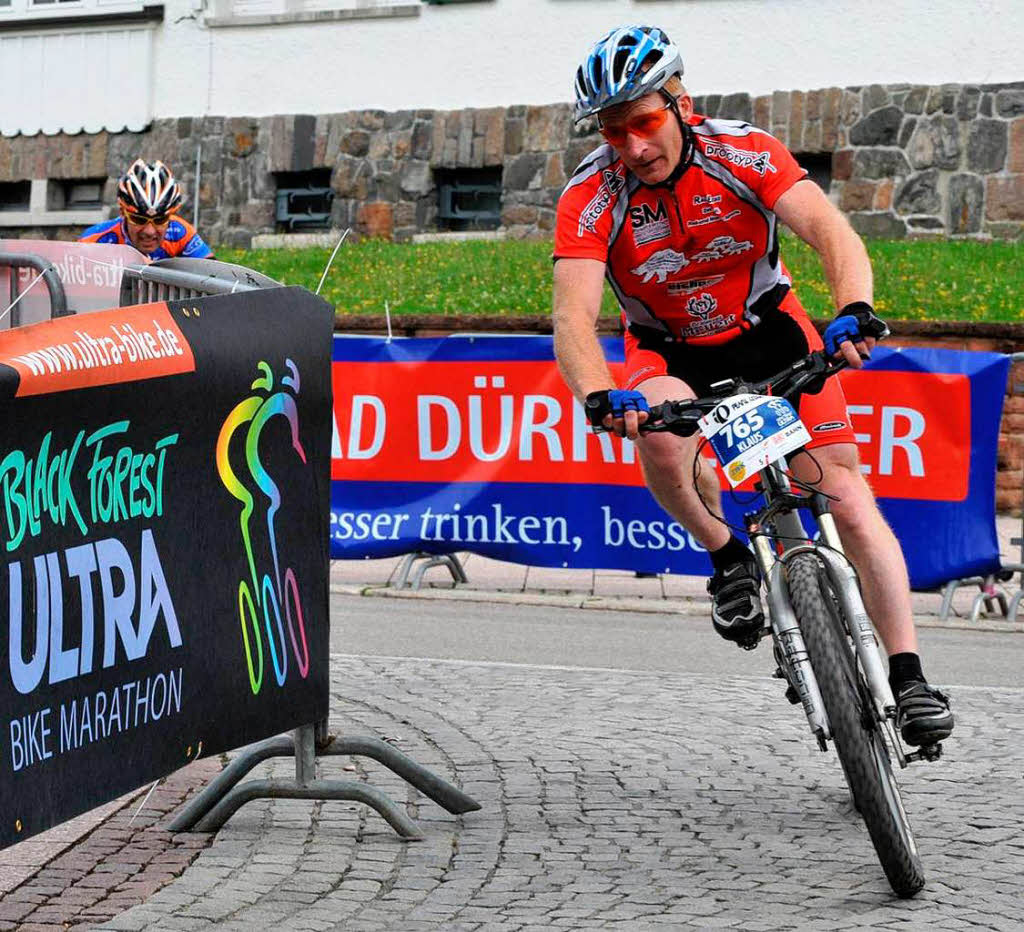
[(826, 426), (703, 328), (702, 306), (649, 223), (699, 199), (662, 263), (613, 183), (760, 162), (712, 215), (690, 285), (720, 247)]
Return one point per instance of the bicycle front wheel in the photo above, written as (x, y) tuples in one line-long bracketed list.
[(856, 733)]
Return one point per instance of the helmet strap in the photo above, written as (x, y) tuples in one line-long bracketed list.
[(686, 153)]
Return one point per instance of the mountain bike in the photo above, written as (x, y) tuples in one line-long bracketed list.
[(824, 643)]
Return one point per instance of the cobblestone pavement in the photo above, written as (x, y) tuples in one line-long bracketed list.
[(611, 800)]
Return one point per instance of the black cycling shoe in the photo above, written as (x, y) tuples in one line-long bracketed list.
[(736, 609), (922, 713)]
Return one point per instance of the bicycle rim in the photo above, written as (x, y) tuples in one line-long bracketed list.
[(858, 738)]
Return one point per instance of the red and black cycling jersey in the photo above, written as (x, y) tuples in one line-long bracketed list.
[(696, 259)]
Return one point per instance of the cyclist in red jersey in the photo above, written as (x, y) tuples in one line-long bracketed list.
[(680, 214), (148, 200)]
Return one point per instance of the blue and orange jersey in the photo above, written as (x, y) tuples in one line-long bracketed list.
[(180, 239)]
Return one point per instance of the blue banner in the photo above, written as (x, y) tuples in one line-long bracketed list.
[(473, 443)]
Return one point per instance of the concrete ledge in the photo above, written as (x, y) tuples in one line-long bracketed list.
[(51, 218), (460, 236), (1007, 332), (295, 240), (316, 16)]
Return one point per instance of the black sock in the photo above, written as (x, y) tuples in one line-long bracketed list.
[(903, 668), (733, 552)]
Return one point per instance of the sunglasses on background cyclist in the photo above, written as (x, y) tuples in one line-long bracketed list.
[(643, 125), (140, 220)]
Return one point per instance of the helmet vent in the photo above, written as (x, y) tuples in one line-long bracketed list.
[(598, 73), (619, 63), (651, 59)]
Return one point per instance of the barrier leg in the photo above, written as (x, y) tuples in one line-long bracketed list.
[(429, 784), (446, 559), (317, 789), (990, 596), (948, 591), (255, 754), (225, 795), (426, 561)]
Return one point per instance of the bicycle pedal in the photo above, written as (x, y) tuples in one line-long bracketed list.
[(752, 640), (928, 752), (792, 696)]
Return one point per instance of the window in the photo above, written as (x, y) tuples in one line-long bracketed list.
[(15, 195), (75, 194), (303, 200), (818, 166), (468, 198), (18, 10)]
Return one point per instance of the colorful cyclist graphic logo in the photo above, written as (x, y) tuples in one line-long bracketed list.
[(264, 594)]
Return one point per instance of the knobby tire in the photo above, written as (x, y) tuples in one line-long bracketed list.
[(858, 738)]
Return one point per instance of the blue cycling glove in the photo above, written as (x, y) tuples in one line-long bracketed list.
[(615, 402), (854, 322)]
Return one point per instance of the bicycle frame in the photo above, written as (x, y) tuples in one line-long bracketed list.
[(781, 510)]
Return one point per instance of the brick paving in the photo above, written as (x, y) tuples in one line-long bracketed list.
[(117, 865), (611, 800)]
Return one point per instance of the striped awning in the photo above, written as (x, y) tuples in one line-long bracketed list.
[(76, 80)]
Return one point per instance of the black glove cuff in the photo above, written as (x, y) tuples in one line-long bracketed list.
[(597, 407), (870, 325)]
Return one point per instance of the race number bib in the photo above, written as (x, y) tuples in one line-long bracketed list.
[(747, 432)]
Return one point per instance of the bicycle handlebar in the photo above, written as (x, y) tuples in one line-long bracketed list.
[(681, 417)]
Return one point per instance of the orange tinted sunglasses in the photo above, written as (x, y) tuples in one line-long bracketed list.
[(140, 220), (643, 125)]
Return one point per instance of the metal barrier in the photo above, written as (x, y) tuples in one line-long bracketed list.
[(45, 268), (175, 279)]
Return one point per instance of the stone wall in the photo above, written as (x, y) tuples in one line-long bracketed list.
[(906, 160)]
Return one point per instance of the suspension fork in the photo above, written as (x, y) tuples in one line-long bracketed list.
[(785, 628), (844, 582)]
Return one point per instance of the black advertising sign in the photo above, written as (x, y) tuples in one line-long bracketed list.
[(164, 482)]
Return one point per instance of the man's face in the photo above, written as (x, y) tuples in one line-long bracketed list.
[(647, 136), (145, 233)]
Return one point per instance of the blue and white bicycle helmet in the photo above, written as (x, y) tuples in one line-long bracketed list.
[(613, 73)]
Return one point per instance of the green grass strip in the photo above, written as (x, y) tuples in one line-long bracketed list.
[(914, 279)]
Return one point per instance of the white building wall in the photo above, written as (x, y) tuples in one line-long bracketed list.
[(503, 52)]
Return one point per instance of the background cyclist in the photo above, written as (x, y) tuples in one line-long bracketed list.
[(148, 200), (680, 214)]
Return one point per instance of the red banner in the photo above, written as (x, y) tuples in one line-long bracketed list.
[(515, 421)]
